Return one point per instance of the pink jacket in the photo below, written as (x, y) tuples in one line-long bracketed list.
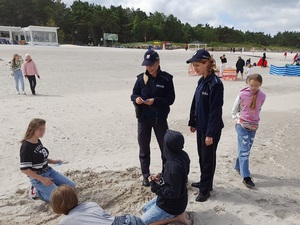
[(242, 110), (29, 69)]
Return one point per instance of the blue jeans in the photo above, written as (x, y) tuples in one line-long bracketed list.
[(43, 191), (152, 213), (18, 75), (245, 142)]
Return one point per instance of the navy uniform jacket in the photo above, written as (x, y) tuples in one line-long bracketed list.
[(206, 109), (161, 88)]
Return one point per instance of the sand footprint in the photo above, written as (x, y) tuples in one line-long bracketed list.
[(281, 213), (262, 202)]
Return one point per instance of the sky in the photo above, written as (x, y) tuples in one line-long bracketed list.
[(268, 16)]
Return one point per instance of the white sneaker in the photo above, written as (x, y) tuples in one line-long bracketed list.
[(18, 93)]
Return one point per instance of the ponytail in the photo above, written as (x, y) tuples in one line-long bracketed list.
[(253, 101), (256, 77)]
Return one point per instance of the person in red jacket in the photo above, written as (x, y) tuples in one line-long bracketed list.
[(295, 58)]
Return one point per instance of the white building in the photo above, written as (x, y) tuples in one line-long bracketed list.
[(10, 34), (33, 35)]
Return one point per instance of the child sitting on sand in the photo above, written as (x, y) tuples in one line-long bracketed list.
[(64, 200), (246, 112), (170, 186), (34, 162)]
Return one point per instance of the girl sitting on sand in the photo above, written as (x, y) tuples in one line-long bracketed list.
[(64, 200), (246, 112), (15, 66), (170, 186), (34, 162)]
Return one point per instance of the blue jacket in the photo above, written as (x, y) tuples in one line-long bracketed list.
[(161, 88), (206, 109)]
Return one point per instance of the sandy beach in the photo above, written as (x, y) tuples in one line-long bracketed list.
[(83, 94)]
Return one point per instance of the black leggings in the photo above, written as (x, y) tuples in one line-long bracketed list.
[(32, 83)]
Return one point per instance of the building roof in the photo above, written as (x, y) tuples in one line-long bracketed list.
[(41, 28), (10, 28), (197, 43)]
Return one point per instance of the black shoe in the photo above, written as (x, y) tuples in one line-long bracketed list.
[(248, 182), (202, 198), (146, 182), (196, 184)]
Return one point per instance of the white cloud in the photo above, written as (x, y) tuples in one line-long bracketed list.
[(269, 16)]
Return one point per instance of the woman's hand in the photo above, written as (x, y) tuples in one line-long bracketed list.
[(209, 141), (139, 101), (47, 181), (193, 129), (149, 101), (151, 178), (157, 177)]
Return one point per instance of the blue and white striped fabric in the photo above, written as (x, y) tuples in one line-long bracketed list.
[(288, 70)]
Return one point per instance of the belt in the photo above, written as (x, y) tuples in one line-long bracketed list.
[(43, 170)]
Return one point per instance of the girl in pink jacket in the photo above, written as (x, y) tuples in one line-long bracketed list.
[(30, 71), (246, 111)]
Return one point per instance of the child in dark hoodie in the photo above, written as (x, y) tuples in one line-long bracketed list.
[(170, 186)]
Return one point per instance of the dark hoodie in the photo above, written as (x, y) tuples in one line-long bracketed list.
[(172, 194)]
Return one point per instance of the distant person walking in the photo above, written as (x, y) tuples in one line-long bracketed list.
[(30, 71), (285, 55), (206, 119), (223, 64), (295, 58), (186, 46), (240, 67), (263, 60), (248, 61), (248, 72), (246, 112), (152, 95), (16, 69)]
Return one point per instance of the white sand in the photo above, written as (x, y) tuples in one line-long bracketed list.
[(84, 96)]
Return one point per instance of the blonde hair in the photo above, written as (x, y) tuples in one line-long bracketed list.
[(13, 61), (256, 77), (32, 127), (63, 199), (211, 64)]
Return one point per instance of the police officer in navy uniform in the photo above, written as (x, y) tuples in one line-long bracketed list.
[(206, 119), (152, 95)]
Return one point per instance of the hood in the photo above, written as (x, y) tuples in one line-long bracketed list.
[(173, 144), (173, 149)]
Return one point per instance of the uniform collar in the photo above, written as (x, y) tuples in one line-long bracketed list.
[(208, 78), (150, 76)]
